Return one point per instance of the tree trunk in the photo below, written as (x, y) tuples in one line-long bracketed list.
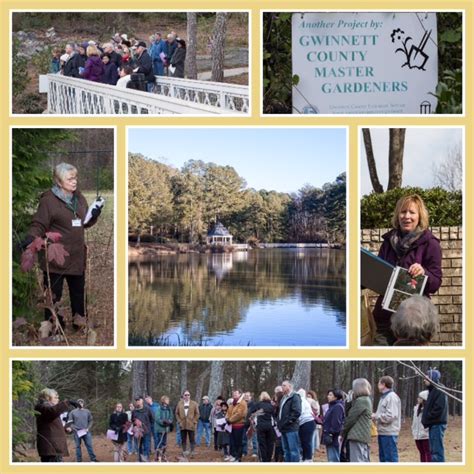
[(218, 44), (184, 375), (374, 179), (302, 375), (191, 65), (395, 158), (216, 380), (139, 378), (200, 383)]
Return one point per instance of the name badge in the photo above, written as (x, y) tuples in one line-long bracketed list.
[(76, 223)]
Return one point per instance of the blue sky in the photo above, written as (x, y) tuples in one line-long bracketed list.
[(425, 148), (281, 159)]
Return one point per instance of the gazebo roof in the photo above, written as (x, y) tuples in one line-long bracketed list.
[(219, 231)]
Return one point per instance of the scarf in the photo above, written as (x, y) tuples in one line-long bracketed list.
[(58, 192), (401, 243)]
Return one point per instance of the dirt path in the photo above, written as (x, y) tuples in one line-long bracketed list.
[(406, 447)]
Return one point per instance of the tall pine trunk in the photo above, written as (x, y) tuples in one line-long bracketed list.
[(191, 65), (218, 45), (216, 379)]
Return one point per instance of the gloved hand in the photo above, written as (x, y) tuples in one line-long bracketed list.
[(96, 212)]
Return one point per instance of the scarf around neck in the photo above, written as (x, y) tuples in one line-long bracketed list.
[(401, 243), (59, 193)]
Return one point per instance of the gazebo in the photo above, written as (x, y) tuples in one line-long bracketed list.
[(219, 235)]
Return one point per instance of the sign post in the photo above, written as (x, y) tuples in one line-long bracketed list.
[(365, 63)]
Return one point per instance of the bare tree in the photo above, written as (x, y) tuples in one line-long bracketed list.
[(302, 375), (448, 174), (140, 378), (184, 375), (218, 45), (369, 152), (216, 380), (395, 157), (191, 48)]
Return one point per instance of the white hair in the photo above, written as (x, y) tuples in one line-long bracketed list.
[(61, 170), (46, 394), (416, 319)]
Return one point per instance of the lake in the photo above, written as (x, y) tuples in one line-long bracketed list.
[(265, 297)]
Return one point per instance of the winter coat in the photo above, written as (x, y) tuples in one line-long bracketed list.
[(436, 408), (388, 415), (145, 66), (110, 74), (156, 49), (265, 421), (289, 412), (177, 61), (145, 416), (116, 59), (54, 215), (51, 437), (163, 419), (170, 48), (417, 429), (118, 422), (55, 66), (72, 65), (358, 422), (237, 414), (334, 420), (426, 251), (205, 412), (223, 435), (190, 421), (94, 69)]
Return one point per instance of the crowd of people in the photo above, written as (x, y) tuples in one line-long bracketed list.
[(289, 426), (121, 60)]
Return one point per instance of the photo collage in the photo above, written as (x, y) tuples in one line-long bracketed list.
[(171, 300)]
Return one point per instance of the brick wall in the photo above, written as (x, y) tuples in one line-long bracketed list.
[(448, 299)]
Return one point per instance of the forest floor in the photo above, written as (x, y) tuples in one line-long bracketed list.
[(99, 289), (406, 448)]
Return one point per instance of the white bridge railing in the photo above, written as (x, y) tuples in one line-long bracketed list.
[(67, 95), (231, 97)]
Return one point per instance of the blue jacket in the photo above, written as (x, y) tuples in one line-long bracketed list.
[(156, 49), (334, 418)]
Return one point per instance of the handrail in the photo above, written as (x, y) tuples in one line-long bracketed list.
[(67, 95)]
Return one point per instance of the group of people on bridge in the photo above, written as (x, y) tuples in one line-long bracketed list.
[(120, 60), (290, 426)]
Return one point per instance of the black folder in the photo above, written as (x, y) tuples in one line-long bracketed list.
[(375, 273)]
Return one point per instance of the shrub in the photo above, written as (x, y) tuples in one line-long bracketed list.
[(444, 207)]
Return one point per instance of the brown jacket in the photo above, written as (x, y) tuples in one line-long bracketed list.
[(237, 414), (53, 215), (51, 437), (187, 422)]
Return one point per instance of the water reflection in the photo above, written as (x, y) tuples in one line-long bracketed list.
[(289, 297)]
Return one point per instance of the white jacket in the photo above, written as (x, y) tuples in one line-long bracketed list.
[(388, 415), (417, 429), (306, 412)]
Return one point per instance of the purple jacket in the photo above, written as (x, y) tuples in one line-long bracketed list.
[(94, 69), (427, 252)]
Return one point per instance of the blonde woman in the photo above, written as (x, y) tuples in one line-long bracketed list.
[(410, 245), (94, 69)]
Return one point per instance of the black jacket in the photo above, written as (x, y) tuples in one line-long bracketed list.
[(205, 411), (111, 74), (436, 408), (72, 65), (117, 423), (288, 414), (265, 420), (116, 58), (145, 415), (145, 66)]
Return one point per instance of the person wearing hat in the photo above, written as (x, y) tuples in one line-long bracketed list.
[(435, 414), (145, 65), (80, 423), (178, 59), (420, 433), (204, 422)]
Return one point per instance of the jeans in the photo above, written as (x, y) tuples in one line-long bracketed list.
[(150, 86), (306, 432), (206, 426), (131, 444), (291, 446), (87, 439), (332, 452), (178, 435), (158, 68), (436, 442), (388, 449), (144, 448), (162, 440)]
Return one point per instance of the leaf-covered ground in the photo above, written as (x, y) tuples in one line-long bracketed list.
[(99, 288), (406, 447)]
